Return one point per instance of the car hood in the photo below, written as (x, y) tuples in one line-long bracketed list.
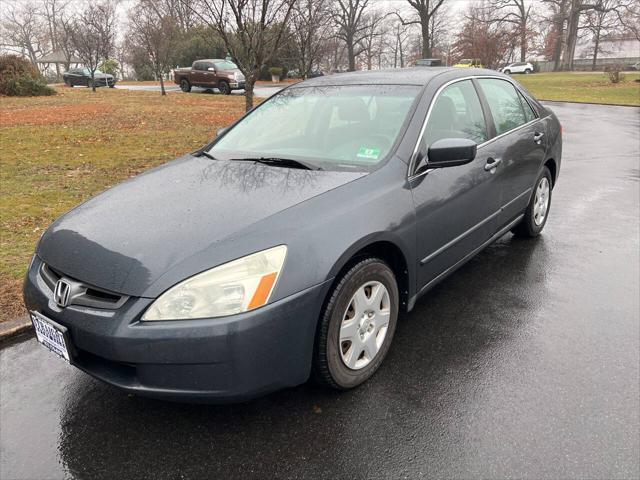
[(126, 238)]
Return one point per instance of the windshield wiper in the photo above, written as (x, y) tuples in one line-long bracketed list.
[(207, 154), (285, 162)]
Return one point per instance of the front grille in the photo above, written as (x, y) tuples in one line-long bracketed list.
[(82, 294)]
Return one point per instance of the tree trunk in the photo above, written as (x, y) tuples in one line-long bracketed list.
[(351, 56), (162, 90), (93, 81), (248, 92), (426, 40), (572, 35), (523, 41), (595, 50)]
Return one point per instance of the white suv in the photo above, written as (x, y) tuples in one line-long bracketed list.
[(518, 67)]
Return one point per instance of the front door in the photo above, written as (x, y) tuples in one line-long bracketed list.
[(456, 207)]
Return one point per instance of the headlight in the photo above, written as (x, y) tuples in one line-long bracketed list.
[(238, 286)]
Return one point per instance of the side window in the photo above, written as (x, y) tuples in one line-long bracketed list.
[(207, 65), (528, 111), (198, 66), (456, 113), (504, 103)]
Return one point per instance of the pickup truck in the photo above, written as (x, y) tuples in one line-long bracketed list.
[(210, 73)]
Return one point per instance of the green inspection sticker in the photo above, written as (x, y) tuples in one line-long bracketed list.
[(370, 153)]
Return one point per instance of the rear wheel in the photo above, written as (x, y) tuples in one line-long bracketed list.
[(68, 83), (357, 325), (508, 72), (185, 86), (537, 212), (224, 87)]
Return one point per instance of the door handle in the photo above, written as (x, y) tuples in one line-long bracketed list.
[(492, 163), (537, 137)]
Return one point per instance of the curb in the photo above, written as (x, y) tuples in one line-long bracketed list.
[(14, 327)]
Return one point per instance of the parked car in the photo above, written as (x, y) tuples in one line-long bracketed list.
[(284, 248), (518, 67), (212, 73), (428, 62), (82, 76), (469, 63), (635, 66)]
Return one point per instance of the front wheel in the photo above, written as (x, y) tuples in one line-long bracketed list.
[(357, 325), (507, 72), (185, 86), (527, 71), (224, 87), (537, 212)]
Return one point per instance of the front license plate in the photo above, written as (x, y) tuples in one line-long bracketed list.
[(51, 335)]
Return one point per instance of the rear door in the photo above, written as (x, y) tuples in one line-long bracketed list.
[(456, 207), (519, 145)]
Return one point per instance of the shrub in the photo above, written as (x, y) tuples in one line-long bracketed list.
[(275, 71), (19, 78), (110, 66), (615, 72)]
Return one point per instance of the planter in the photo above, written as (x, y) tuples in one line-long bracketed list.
[(275, 78)]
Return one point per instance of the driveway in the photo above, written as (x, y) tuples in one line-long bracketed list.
[(264, 91), (523, 364)]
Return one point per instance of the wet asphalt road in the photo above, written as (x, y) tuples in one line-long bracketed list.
[(523, 364)]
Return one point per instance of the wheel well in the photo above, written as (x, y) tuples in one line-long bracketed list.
[(392, 256), (551, 165)]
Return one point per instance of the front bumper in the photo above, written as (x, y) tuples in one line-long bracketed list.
[(236, 85), (226, 359)]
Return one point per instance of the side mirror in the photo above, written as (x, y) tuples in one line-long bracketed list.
[(451, 152), (221, 131), (211, 69)]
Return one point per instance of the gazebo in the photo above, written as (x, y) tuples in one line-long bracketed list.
[(57, 58)]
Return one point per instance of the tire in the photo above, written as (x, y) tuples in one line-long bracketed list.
[(185, 86), (332, 350), (112, 86), (68, 83), (527, 71), (224, 87), (531, 225), (507, 72)]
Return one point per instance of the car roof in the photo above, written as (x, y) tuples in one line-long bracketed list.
[(393, 76)]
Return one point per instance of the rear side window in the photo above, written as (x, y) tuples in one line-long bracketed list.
[(528, 111), (456, 113), (504, 103)]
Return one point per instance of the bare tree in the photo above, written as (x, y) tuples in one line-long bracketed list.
[(372, 41), (22, 30), (251, 30), (352, 27), (310, 29), (53, 12), (154, 28), (600, 22), (559, 14), (516, 13), (425, 10), (481, 38), (92, 33)]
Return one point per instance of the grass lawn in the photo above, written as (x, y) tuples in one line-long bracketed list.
[(57, 151), (582, 87)]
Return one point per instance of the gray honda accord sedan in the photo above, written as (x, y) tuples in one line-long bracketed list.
[(287, 247)]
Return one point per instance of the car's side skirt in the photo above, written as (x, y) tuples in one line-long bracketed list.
[(461, 262)]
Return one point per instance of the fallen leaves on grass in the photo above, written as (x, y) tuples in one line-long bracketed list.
[(11, 305), (52, 115)]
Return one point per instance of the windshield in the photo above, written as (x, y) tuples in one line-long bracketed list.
[(226, 65), (333, 127), (86, 71)]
